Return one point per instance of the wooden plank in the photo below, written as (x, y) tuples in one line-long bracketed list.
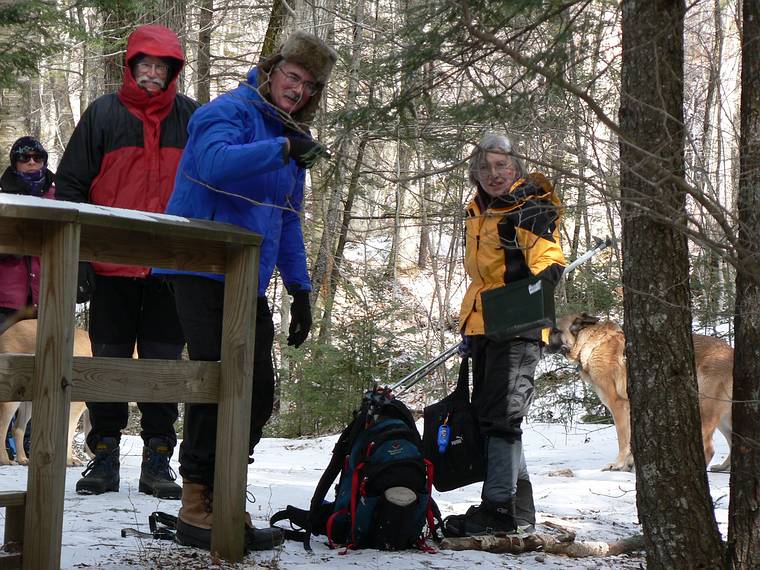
[(193, 249), (16, 372), (51, 395), (20, 237), (234, 418), (133, 247), (128, 380), (103, 380), (10, 561), (35, 210), (14, 523), (12, 498)]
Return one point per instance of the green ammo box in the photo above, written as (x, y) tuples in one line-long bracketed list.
[(518, 307)]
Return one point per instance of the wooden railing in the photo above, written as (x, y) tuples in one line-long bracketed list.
[(61, 234)]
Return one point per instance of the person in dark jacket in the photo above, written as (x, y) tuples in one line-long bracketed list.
[(124, 153), (512, 233), (28, 175), (244, 164)]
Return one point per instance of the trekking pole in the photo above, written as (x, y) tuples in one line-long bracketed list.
[(600, 245), (424, 370), (428, 367)]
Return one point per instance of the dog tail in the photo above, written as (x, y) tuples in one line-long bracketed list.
[(28, 312)]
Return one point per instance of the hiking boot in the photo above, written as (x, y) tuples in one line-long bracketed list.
[(102, 472), (156, 475), (196, 518), (486, 518)]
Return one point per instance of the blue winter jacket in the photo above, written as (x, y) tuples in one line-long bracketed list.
[(235, 155)]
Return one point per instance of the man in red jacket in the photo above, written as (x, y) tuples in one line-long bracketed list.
[(124, 153)]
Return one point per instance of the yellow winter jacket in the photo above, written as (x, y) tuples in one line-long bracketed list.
[(509, 239)]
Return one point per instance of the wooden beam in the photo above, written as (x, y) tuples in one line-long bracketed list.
[(15, 504), (51, 397), (10, 561), (234, 413), (103, 380)]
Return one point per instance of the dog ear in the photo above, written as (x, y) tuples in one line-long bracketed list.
[(588, 320), (584, 320)]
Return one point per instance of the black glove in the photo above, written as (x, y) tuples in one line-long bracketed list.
[(300, 318), (465, 347), (306, 152), (85, 282)]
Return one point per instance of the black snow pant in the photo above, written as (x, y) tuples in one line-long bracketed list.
[(125, 311), (502, 391), (199, 303)]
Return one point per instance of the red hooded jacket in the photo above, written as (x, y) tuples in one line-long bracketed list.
[(125, 150)]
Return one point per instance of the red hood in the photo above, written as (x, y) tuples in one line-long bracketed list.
[(156, 41)]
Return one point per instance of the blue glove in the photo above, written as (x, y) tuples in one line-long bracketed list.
[(465, 347)]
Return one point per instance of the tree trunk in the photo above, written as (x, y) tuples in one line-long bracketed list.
[(744, 506), (324, 260), (13, 118), (332, 282), (273, 36), (673, 499), (203, 64)]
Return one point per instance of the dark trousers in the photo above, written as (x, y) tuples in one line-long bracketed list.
[(199, 304), (502, 383), (123, 312)]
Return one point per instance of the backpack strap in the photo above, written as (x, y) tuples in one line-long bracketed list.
[(341, 449), (462, 389), (297, 517), (163, 526)]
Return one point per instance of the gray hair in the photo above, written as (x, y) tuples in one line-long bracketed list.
[(494, 142)]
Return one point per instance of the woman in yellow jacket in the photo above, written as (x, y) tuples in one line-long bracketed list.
[(512, 233)]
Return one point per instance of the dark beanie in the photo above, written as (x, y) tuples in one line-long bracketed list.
[(25, 145)]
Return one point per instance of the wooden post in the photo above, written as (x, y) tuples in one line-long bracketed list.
[(235, 390), (51, 394)]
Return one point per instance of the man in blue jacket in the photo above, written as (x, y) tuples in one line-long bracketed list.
[(244, 164)]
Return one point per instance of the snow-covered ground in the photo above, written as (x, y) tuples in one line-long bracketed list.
[(564, 463)]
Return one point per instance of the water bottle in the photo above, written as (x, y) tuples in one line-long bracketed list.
[(444, 435)]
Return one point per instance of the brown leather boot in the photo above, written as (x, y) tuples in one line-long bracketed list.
[(197, 506), (196, 519)]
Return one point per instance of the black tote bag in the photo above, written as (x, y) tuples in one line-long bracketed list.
[(461, 462)]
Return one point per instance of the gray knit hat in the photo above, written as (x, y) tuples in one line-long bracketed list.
[(310, 52)]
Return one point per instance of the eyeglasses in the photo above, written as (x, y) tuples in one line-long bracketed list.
[(505, 169), (159, 68), (294, 79), (24, 158)]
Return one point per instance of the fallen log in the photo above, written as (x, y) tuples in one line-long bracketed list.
[(563, 544)]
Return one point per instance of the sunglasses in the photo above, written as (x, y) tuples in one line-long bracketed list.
[(30, 157)]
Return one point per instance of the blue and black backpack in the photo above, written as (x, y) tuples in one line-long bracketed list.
[(383, 496)]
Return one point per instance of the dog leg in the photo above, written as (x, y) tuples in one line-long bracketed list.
[(76, 411), (24, 415), (621, 415), (7, 411), (724, 427)]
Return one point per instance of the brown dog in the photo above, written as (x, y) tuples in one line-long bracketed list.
[(21, 338), (598, 348)]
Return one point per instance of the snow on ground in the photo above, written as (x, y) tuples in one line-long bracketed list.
[(597, 505)]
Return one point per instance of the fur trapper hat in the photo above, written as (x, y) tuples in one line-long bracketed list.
[(310, 52)]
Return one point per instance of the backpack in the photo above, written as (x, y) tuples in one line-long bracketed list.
[(383, 496)]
